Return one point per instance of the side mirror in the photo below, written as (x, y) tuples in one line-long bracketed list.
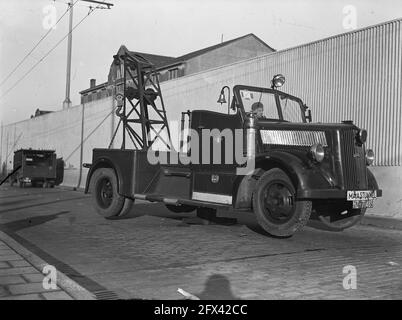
[(233, 105)]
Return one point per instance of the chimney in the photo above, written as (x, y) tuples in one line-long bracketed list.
[(92, 83)]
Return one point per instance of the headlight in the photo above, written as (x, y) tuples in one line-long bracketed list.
[(317, 152), (369, 157), (361, 136)]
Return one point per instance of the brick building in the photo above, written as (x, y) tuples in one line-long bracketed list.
[(169, 68)]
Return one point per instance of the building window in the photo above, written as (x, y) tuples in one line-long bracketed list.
[(155, 76), (173, 73), (84, 98)]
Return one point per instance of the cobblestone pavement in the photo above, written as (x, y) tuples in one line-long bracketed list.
[(19, 280), (152, 253)]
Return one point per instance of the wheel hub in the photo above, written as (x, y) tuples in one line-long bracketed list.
[(105, 192), (278, 202)]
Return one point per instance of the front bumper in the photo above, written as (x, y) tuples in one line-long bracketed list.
[(327, 194)]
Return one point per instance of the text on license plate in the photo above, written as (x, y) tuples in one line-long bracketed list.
[(360, 204), (361, 195)]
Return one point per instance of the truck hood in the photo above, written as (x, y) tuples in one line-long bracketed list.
[(315, 126)]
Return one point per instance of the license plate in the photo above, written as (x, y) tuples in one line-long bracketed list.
[(360, 204), (361, 195), (362, 198)]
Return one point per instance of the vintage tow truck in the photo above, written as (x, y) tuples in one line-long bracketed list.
[(291, 170)]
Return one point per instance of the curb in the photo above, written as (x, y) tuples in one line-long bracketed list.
[(64, 282), (382, 222)]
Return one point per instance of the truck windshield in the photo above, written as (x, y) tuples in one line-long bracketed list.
[(272, 105)]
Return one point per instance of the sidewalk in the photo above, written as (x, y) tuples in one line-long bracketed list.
[(21, 277)]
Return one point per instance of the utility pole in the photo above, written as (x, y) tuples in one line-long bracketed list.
[(67, 101)]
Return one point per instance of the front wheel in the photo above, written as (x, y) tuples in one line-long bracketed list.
[(275, 205), (105, 198)]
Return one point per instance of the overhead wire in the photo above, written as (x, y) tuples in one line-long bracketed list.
[(46, 55), (36, 45)]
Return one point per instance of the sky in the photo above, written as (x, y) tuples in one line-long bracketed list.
[(165, 27)]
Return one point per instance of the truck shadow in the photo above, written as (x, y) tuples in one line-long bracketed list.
[(159, 210), (248, 221)]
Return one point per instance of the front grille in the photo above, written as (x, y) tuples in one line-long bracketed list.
[(353, 161), (293, 137)]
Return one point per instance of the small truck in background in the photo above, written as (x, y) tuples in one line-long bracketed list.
[(37, 167)]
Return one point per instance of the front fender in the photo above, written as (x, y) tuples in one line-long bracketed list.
[(304, 175)]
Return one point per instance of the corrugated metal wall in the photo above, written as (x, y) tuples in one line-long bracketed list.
[(354, 76), (351, 76)]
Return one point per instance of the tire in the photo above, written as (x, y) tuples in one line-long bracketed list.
[(127, 206), (180, 208), (275, 205), (105, 198)]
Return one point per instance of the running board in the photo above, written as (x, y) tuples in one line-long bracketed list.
[(177, 202)]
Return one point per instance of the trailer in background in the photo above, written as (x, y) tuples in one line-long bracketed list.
[(37, 167)]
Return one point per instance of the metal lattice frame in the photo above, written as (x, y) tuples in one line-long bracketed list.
[(140, 85)]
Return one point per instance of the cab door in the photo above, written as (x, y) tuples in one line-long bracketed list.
[(214, 173)]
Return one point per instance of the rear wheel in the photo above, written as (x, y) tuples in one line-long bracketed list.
[(106, 200), (275, 205)]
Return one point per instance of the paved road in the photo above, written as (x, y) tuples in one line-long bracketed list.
[(152, 253)]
